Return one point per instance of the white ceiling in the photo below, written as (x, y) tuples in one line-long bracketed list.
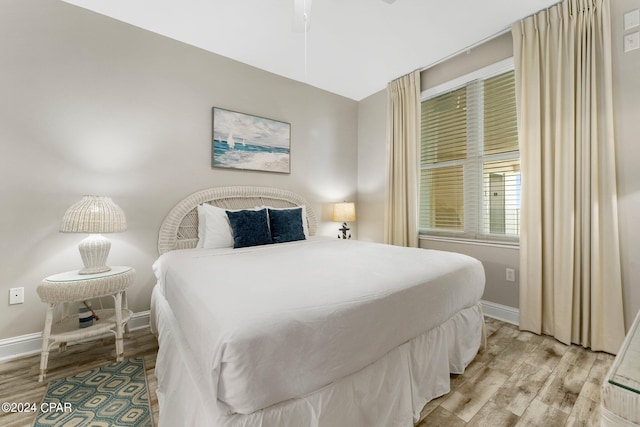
[(353, 47)]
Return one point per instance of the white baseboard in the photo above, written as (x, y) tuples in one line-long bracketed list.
[(25, 345), (501, 312)]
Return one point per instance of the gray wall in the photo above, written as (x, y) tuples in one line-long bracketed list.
[(372, 150), (90, 105), (372, 164), (488, 53), (626, 99)]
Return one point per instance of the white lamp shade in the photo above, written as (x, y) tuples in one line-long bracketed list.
[(344, 212), (94, 214)]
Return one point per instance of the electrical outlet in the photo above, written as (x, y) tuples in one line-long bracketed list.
[(632, 41), (16, 296), (511, 275)]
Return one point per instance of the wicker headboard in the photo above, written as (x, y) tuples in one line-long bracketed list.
[(179, 229)]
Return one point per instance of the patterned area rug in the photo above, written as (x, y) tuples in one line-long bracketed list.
[(111, 395)]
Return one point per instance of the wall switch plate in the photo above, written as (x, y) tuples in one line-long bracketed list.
[(511, 275), (631, 19), (16, 296), (632, 41)]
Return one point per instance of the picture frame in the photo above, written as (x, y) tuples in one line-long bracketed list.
[(247, 142)]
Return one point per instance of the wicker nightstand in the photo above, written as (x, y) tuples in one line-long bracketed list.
[(620, 402), (71, 287)]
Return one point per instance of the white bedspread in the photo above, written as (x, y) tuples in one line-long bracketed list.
[(269, 323)]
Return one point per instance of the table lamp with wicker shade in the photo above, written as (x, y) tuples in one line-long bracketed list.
[(94, 215)]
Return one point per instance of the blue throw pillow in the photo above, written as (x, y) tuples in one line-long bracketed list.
[(250, 228), (286, 225)]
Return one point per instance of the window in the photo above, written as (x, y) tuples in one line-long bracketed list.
[(470, 159)]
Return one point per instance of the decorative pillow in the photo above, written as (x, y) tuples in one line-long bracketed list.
[(286, 225), (214, 230), (250, 228), (303, 214)]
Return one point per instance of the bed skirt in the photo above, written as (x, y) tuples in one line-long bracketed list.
[(389, 392)]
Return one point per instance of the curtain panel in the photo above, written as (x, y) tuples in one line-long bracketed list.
[(570, 277), (403, 158)]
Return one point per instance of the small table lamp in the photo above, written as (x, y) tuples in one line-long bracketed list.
[(95, 215), (343, 212)]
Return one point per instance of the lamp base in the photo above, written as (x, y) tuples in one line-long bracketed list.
[(94, 251), (94, 270), (344, 230)]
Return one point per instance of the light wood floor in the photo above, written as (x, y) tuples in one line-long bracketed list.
[(520, 379), (523, 379), (19, 378)]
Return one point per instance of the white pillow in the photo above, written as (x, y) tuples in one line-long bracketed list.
[(214, 230), (201, 226), (305, 226)]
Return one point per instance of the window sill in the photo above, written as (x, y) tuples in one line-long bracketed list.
[(495, 244)]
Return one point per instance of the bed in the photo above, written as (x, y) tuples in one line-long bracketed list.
[(313, 331)]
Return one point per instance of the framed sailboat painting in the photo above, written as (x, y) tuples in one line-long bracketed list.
[(243, 141)]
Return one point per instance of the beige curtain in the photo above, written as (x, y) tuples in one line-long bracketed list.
[(570, 284), (403, 158)]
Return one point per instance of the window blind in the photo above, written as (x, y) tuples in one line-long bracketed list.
[(470, 161)]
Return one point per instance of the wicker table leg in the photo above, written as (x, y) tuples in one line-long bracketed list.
[(119, 340), (46, 333), (125, 305)]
